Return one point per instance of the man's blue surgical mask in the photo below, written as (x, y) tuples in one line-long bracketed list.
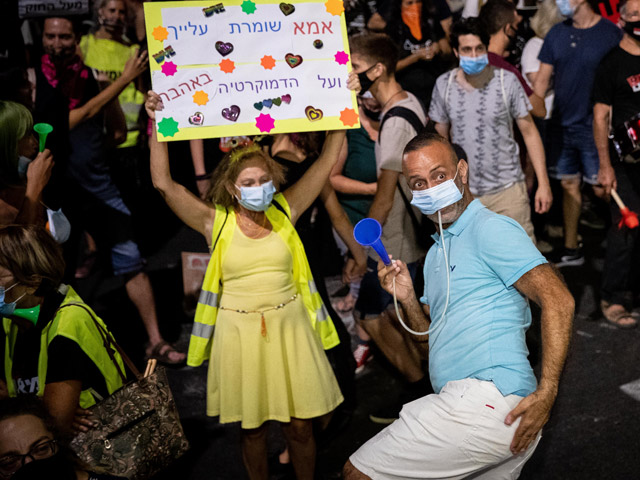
[(436, 198), (565, 8), (257, 199), (473, 65), (7, 309)]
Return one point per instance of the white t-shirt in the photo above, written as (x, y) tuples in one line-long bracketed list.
[(531, 64), (398, 233)]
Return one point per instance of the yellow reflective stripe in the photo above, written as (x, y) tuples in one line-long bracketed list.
[(202, 330), (312, 287), (208, 298)]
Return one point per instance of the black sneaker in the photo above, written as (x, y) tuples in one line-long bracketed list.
[(568, 257), (591, 219)]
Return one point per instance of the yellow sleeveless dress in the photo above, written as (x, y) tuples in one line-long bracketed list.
[(271, 371)]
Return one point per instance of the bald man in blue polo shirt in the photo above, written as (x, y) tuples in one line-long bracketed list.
[(486, 417)]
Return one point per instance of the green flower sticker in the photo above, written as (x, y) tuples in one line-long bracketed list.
[(168, 127), (248, 7)]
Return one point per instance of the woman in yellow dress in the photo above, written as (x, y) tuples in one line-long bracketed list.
[(265, 359)]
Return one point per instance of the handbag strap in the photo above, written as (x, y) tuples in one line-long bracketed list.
[(108, 341)]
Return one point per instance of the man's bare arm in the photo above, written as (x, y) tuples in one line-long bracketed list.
[(543, 286)]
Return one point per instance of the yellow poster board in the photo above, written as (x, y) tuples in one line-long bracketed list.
[(249, 67)]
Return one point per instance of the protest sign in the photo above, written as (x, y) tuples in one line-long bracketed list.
[(249, 67)]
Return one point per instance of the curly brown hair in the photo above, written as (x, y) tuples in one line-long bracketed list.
[(226, 173)]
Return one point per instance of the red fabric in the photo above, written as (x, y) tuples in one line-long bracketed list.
[(499, 62), (70, 79)]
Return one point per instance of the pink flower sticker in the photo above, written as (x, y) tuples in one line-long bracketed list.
[(169, 69), (341, 57), (265, 123)]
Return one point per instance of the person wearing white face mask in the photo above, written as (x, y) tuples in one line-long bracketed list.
[(475, 106), (486, 416), (266, 359)]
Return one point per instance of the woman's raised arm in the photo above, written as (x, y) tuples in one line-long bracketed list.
[(189, 208), (301, 194)]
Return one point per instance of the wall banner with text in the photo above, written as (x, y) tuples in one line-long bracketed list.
[(249, 67), (48, 8)]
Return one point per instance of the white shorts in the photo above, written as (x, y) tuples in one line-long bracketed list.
[(458, 433)]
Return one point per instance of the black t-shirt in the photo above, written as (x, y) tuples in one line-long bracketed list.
[(420, 77), (617, 84), (66, 360), (52, 107)]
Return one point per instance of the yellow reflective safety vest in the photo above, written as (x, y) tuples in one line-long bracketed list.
[(212, 288), (76, 325), (109, 57)]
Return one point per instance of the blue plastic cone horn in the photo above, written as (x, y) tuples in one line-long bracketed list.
[(367, 233)]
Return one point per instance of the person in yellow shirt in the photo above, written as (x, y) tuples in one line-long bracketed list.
[(106, 51)]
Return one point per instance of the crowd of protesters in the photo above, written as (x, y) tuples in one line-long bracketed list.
[(489, 131)]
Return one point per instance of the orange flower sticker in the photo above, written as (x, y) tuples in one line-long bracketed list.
[(201, 97), (348, 117), (227, 66), (334, 7), (160, 33), (268, 62)]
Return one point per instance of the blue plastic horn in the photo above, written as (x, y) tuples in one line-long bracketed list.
[(367, 233)]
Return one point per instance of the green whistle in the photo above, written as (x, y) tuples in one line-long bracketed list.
[(43, 129)]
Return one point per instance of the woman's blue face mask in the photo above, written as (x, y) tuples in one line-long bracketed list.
[(7, 309), (256, 199)]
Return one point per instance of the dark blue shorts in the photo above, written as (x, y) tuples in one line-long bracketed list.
[(373, 299), (572, 153)]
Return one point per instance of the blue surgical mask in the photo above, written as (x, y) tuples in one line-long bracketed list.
[(7, 309), (256, 199), (473, 65), (23, 165), (436, 198), (565, 8)]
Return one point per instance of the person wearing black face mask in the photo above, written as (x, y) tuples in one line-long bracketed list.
[(616, 96), (500, 19)]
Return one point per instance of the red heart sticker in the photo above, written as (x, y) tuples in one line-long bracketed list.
[(293, 60)]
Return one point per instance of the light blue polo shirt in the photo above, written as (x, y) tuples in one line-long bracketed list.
[(482, 335)]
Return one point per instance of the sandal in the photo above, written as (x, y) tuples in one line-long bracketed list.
[(161, 351), (617, 315)]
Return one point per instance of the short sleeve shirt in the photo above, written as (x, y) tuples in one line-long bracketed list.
[(482, 334), (499, 62), (481, 122), (575, 53), (617, 83), (398, 233)]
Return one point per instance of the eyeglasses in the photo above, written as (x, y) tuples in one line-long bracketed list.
[(10, 464)]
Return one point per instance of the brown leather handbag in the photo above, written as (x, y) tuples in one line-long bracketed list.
[(138, 430)]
